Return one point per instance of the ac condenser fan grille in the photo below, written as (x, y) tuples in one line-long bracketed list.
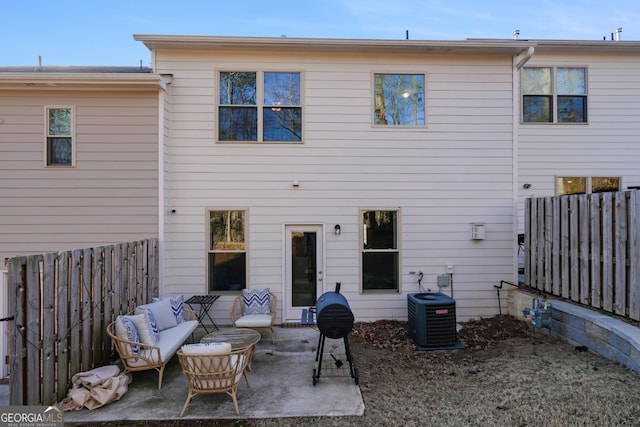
[(432, 319)]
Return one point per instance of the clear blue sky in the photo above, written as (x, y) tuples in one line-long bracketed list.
[(91, 32)]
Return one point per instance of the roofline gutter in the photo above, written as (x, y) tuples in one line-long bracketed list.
[(84, 80)]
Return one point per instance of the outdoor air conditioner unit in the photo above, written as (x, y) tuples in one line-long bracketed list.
[(432, 319)]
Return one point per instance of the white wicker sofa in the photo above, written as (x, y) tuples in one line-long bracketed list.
[(148, 338)]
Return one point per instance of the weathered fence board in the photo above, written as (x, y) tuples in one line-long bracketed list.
[(17, 341), (586, 248), (596, 252), (583, 250), (634, 256), (32, 331), (564, 247), (48, 327), (620, 260), (62, 303)]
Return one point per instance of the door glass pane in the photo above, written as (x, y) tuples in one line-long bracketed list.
[(303, 265)]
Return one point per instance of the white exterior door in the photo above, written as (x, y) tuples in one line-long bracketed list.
[(303, 269)]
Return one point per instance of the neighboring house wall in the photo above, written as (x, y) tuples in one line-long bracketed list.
[(608, 145), (456, 171), (111, 195)]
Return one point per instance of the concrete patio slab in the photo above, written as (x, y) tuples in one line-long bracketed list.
[(281, 385)]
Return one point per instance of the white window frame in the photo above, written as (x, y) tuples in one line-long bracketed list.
[(47, 108), (554, 95), (396, 250), (259, 105), (209, 250), (373, 99), (588, 183)]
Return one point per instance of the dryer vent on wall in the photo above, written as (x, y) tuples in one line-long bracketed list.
[(432, 319)]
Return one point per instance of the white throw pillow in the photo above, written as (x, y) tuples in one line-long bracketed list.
[(162, 313), (127, 330), (145, 331)]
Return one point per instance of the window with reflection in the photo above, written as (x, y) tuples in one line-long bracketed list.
[(380, 255), (59, 142), (399, 99), (554, 95), (273, 116), (586, 184), (227, 257)]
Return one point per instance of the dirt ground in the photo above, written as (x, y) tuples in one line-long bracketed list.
[(505, 376)]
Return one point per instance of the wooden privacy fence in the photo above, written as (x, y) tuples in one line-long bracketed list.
[(62, 303), (586, 248)]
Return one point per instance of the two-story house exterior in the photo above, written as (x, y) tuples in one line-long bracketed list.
[(78, 157), (295, 164)]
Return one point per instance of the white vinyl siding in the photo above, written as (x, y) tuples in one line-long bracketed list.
[(112, 193), (456, 172), (606, 146)]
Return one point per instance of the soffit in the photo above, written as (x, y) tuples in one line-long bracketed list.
[(281, 44)]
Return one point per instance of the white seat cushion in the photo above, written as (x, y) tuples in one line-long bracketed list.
[(254, 321), (169, 341), (207, 348)]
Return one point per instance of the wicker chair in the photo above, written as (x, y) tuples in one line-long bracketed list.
[(148, 356), (214, 373), (254, 321)]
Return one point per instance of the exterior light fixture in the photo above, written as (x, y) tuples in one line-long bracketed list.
[(337, 230)]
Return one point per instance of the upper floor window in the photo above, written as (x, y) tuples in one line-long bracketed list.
[(59, 138), (259, 107), (227, 254), (554, 95), (398, 99), (586, 184), (380, 255)]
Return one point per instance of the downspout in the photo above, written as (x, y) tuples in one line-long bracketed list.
[(517, 100), (162, 208), (526, 57)]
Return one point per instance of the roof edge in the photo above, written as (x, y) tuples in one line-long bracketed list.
[(328, 44), (84, 80)]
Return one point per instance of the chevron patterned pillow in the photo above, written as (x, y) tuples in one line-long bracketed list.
[(256, 301), (177, 305)]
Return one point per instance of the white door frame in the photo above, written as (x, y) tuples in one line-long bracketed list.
[(289, 313)]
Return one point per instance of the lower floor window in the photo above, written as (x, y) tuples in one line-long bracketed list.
[(380, 255), (227, 257), (586, 184)]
